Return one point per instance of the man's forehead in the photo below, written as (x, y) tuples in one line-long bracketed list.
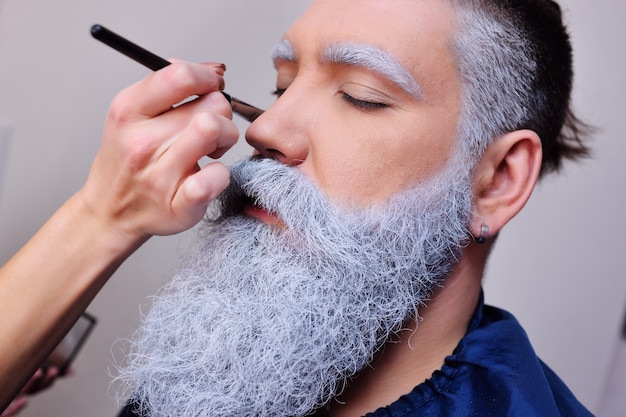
[(357, 54)]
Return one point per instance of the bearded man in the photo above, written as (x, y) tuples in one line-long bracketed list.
[(340, 272)]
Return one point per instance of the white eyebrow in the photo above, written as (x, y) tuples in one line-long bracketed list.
[(373, 59), (360, 55), (283, 51)]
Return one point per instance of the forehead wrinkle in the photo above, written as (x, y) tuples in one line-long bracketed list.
[(373, 59)]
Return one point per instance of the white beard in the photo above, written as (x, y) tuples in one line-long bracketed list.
[(264, 321)]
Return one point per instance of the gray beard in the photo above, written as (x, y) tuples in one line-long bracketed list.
[(264, 321)]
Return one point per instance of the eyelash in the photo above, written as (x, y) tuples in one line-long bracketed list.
[(360, 104), (278, 92), (363, 104)]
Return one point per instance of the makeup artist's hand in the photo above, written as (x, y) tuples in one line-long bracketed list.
[(41, 380), (146, 179)]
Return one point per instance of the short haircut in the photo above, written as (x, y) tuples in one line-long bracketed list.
[(515, 60)]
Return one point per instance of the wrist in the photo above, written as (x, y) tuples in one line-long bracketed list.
[(105, 230)]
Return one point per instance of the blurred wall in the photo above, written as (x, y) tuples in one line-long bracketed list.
[(558, 266)]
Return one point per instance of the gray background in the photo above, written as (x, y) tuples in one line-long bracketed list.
[(558, 266)]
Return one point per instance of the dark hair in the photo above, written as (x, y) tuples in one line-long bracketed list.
[(515, 59)]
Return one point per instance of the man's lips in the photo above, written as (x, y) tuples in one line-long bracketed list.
[(263, 215)]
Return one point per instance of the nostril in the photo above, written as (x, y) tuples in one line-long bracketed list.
[(281, 157), (272, 151), (294, 162), (273, 138), (275, 154)]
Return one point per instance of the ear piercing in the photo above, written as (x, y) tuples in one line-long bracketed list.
[(484, 234)]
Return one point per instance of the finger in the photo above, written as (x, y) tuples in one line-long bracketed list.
[(212, 101), (198, 121), (206, 134), (15, 407), (49, 377), (42, 379), (158, 92), (195, 193), (34, 380), (220, 65)]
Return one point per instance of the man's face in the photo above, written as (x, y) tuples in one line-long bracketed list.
[(372, 97), (274, 321)]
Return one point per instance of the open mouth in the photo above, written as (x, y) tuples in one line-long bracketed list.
[(252, 209)]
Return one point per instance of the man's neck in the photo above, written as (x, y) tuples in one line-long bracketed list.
[(412, 356)]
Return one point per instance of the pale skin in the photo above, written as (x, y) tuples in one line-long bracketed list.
[(144, 181), (362, 154), (358, 154)]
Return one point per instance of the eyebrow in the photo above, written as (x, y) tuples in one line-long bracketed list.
[(283, 51), (359, 55)]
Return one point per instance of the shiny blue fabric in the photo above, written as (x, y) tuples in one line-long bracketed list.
[(493, 372)]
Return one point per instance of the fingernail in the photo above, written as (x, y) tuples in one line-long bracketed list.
[(220, 68)]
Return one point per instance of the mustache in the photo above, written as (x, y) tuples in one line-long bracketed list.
[(434, 213), (294, 197), (271, 186)]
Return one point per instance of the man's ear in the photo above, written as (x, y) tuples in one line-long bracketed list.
[(503, 180)]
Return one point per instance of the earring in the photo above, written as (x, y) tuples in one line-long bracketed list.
[(484, 234)]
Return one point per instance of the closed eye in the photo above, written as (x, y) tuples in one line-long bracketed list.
[(279, 92), (358, 103), (363, 104)]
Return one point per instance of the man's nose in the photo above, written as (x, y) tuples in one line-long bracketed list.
[(280, 132)]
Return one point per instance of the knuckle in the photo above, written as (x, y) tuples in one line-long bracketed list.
[(224, 107), (138, 151), (206, 124), (215, 102), (181, 76), (120, 110)]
